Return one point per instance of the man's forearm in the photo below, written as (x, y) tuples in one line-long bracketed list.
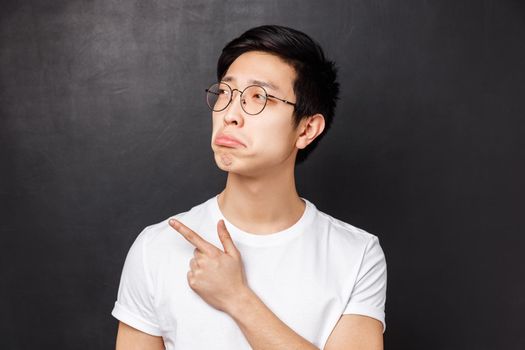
[(262, 328)]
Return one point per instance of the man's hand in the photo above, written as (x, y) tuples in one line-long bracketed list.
[(216, 276)]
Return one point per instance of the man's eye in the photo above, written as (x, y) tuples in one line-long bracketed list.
[(222, 92), (259, 97)]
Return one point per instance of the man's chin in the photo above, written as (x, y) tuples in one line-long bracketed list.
[(224, 161), (230, 164)]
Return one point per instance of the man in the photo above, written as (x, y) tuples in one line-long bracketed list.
[(257, 266)]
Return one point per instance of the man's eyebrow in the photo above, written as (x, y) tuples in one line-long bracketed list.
[(266, 84)]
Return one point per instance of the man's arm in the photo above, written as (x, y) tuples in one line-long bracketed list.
[(356, 332), (264, 330), (129, 338)]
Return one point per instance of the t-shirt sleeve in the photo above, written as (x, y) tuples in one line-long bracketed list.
[(135, 298), (369, 293)]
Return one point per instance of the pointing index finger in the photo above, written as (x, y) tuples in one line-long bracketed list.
[(192, 237)]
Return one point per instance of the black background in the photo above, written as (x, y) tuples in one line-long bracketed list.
[(104, 130)]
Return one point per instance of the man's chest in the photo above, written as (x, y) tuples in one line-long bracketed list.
[(294, 283)]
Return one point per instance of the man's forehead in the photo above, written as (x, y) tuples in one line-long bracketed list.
[(261, 68), (264, 83)]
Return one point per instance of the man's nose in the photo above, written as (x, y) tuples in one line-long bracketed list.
[(234, 112)]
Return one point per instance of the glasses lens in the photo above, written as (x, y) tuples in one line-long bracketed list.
[(218, 96), (254, 99)]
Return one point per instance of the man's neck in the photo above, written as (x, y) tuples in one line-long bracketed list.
[(261, 205)]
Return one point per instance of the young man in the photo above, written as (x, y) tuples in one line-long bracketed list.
[(257, 266)]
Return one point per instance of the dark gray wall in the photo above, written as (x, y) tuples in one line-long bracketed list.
[(104, 130)]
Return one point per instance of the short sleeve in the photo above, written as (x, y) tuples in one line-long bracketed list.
[(369, 293), (135, 298)]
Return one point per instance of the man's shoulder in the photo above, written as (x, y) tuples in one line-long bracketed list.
[(340, 229), (161, 232)]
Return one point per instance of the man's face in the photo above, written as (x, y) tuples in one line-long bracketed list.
[(268, 139)]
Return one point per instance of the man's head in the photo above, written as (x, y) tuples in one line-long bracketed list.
[(315, 87)]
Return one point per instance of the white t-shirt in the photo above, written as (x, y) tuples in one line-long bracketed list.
[(308, 275)]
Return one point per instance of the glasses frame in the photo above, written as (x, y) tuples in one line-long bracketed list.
[(240, 98)]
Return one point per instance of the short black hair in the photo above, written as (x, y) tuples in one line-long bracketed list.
[(315, 87)]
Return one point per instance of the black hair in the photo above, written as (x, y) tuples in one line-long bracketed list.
[(315, 87)]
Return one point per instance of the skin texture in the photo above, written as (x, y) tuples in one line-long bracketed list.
[(260, 156), (260, 197), (129, 338)]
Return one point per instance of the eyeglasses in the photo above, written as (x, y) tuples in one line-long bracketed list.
[(253, 98)]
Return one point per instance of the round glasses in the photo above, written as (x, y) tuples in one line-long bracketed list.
[(253, 98)]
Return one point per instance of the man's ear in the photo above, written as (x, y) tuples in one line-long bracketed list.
[(309, 128)]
